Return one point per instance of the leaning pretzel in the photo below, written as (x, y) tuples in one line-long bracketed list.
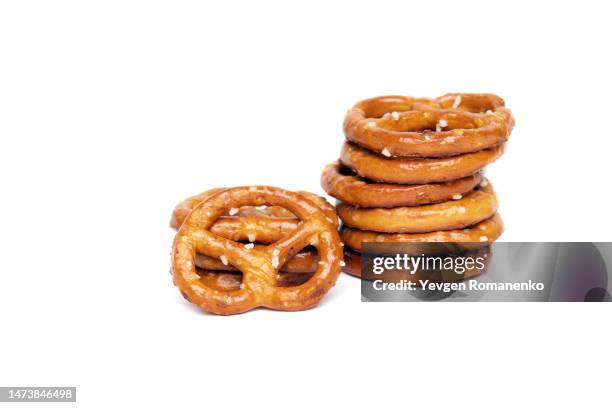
[(418, 127), (258, 265)]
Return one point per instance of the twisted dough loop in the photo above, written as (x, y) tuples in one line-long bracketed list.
[(273, 221), (262, 225), (339, 183), (303, 262), (259, 265), (461, 212), (419, 127), (375, 167), (484, 232)]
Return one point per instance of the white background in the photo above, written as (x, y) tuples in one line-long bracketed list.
[(113, 111)]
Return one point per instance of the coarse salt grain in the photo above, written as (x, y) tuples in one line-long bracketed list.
[(249, 246), (275, 262), (342, 263), (457, 197), (261, 207), (484, 183), (233, 211), (276, 252), (457, 102), (223, 259), (395, 115), (442, 123), (484, 239), (252, 237), (385, 152), (489, 111)]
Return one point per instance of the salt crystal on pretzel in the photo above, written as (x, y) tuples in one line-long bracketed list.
[(478, 205), (341, 183), (409, 137), (259, 267), (490, 228), (372, 166)]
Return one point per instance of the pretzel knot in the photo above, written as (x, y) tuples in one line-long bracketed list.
[(403, 126), (259, 265)]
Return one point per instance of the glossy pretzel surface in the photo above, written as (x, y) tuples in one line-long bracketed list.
[(338, 182), (460, 212), (404, 126), (376, 167), (259, 265)]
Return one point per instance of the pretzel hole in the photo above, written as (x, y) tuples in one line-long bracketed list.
[(430, 123), (379, 112), (221, 280), (287, 280), (227, 281), (259, 211), (471, 105)]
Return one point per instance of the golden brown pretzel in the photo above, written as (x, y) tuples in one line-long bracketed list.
[(227, 281), (258, 265), (485, 231), (403, 126), (376, 167), (460, 212), (239, 222), (303, 262), (339, 182), (264, 225)]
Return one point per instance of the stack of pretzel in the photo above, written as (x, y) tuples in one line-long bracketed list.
[(411, 170)]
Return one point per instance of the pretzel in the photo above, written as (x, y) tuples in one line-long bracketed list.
[(419, 127), (264, 225), (246, 218), (341, 183), (375, 167), (303, 262), (259, 265), (461, 212), (484, 232), (228, 281)]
